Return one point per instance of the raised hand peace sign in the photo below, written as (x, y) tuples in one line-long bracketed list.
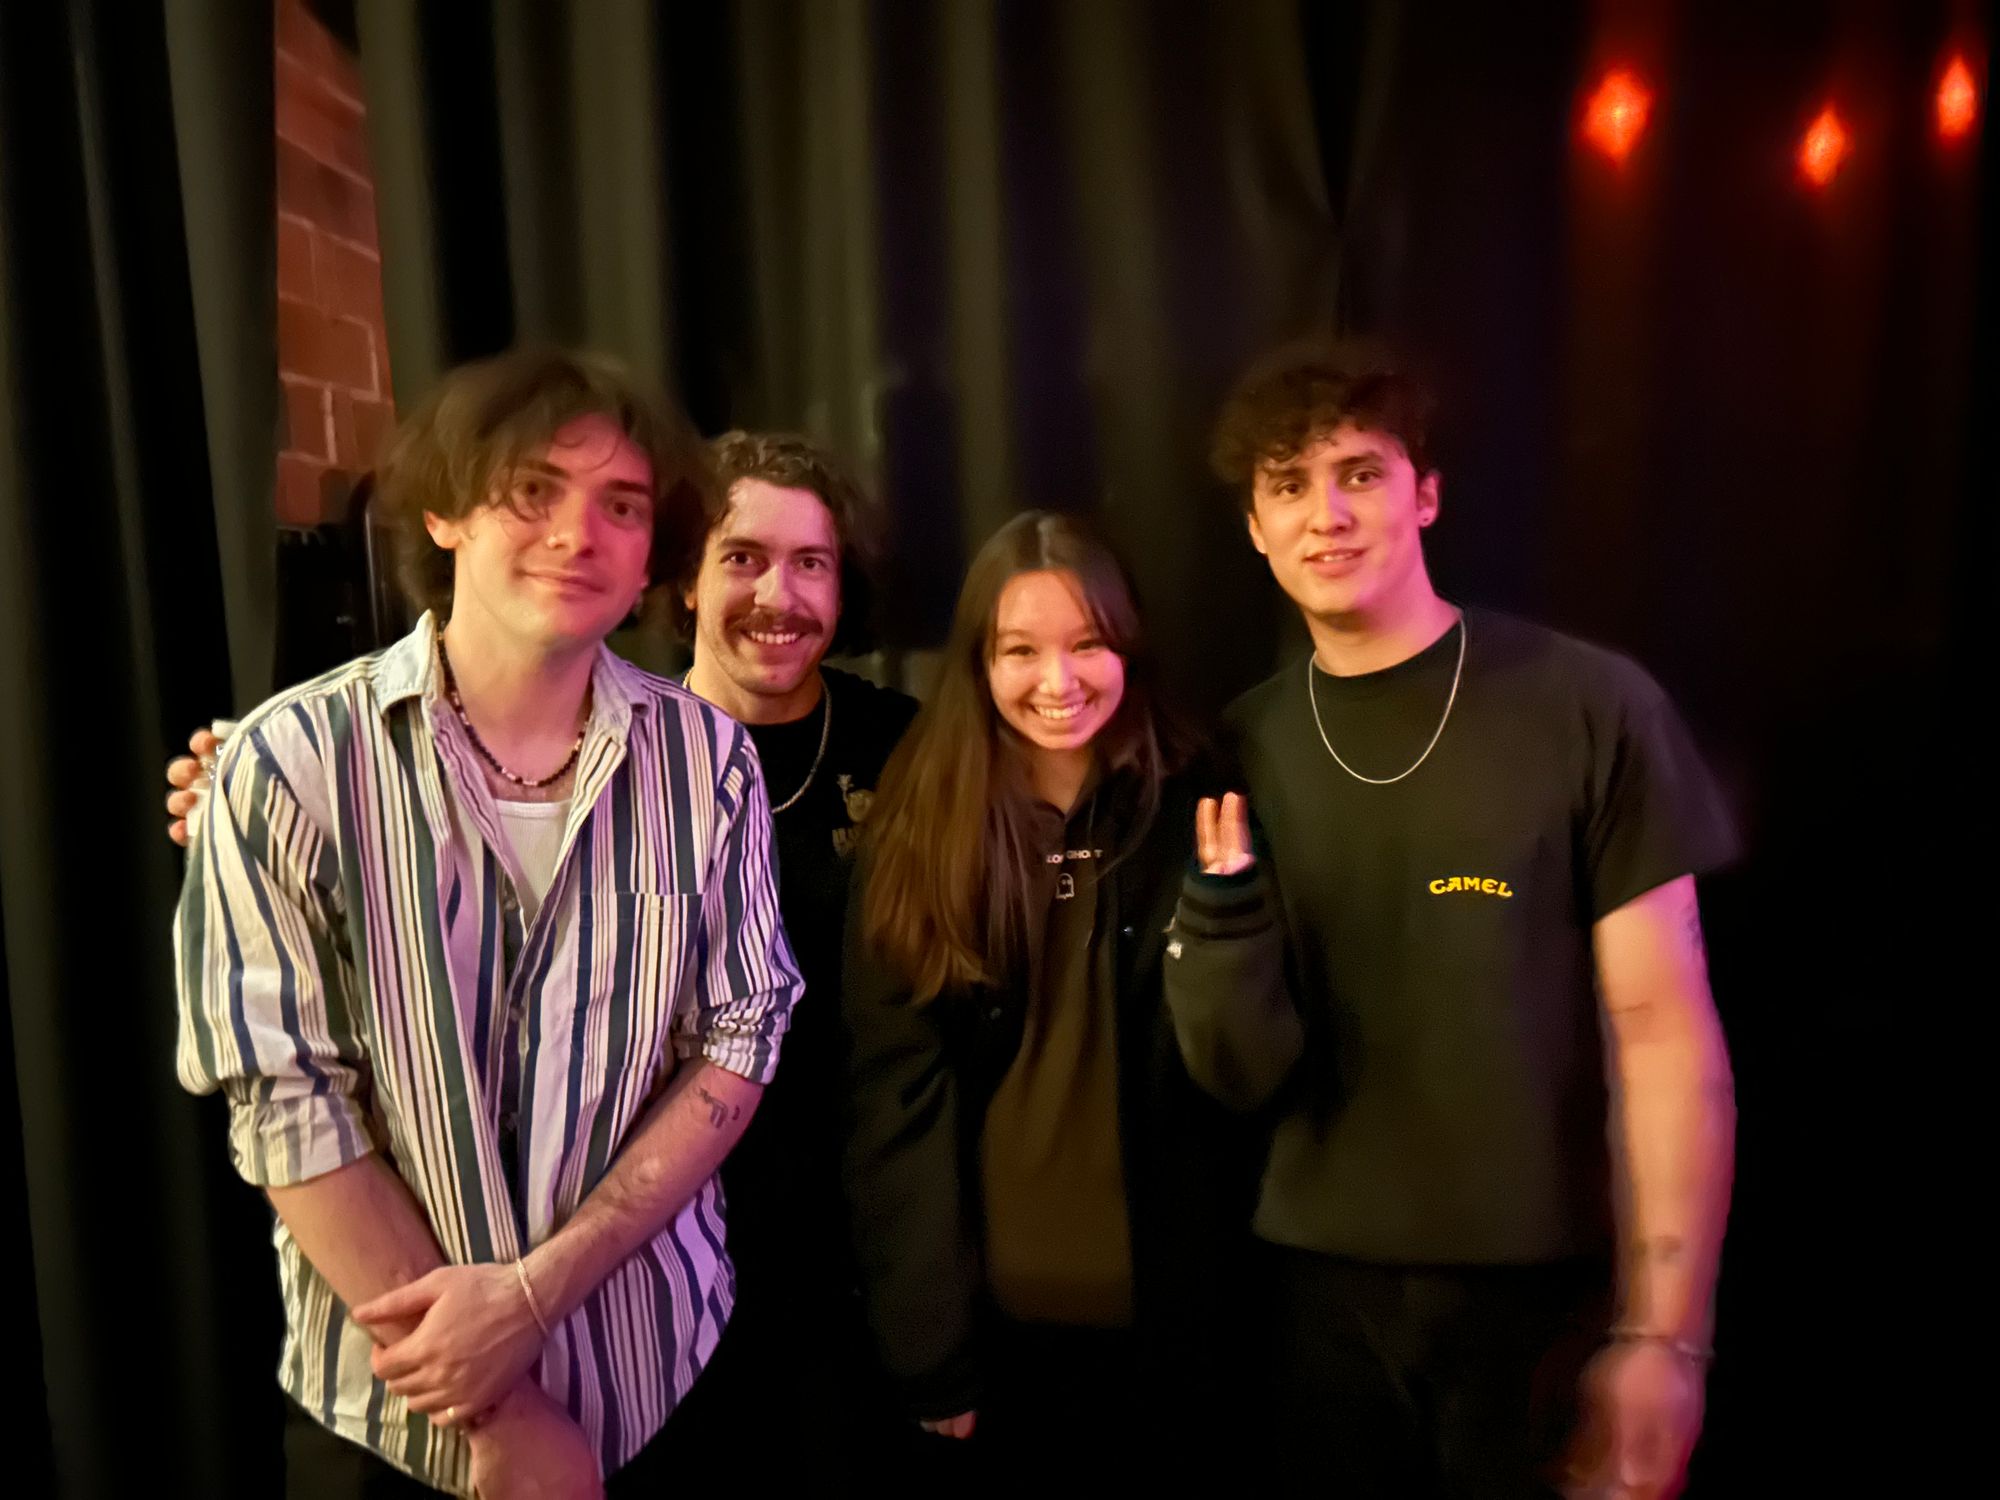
[(1222, 834)]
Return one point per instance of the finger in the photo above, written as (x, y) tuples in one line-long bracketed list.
[(203, 742), (1204, 831), (180, 804), (411, 1301), (185, 771), (178, 831), (1236, 808), (395, 1362)]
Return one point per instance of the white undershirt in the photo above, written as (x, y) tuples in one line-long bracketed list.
[(535, 831)]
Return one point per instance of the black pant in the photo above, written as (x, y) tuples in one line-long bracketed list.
[(1412, 1382), (1068, 1411), (794, 1384)]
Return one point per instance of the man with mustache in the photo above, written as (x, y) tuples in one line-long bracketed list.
[(783, 579), (1486, 837)]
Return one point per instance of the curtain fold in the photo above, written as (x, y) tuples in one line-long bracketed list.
[(138, 394)]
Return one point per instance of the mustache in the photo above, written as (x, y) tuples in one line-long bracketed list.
[(764, 621)]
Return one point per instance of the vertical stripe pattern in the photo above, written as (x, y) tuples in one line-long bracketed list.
[(356, 975)]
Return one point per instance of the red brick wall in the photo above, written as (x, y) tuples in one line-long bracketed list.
[(332, 355)]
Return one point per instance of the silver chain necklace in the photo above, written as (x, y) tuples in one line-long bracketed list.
[(825, 730), (1312, 696)]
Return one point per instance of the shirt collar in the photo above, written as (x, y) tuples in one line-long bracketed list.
[(409, 669)]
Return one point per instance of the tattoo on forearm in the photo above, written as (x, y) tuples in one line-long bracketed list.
[(1664, 1250), (719, 1112)]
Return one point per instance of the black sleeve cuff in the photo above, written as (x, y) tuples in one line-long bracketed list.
[(1236, 905)]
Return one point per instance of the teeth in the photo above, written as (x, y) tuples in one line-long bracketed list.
[(769, 638), (1060, 715)]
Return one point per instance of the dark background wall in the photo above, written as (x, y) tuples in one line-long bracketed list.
[(1007, 254)]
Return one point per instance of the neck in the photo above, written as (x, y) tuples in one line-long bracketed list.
[(524, 700), (747, 707), (1375, 640), (1057, 776)]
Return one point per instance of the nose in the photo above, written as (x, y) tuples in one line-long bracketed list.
[(1331, 511), (571, 523), (1058, 675), (774, 588)]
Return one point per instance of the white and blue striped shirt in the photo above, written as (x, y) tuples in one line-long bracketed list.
[(356, 975)]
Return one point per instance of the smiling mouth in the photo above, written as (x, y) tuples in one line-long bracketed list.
[(1065, 715), (776, 637)]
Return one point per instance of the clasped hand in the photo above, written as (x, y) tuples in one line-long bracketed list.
[(475, 1337)]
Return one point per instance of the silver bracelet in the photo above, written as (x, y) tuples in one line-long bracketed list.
[(528, 1291)]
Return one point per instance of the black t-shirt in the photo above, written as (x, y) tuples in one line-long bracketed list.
[(787, 1223), (1451, 1106)]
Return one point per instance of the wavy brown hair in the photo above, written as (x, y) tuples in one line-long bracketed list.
[(458, 451), (1293, 396), (949, 835), (795, 462)]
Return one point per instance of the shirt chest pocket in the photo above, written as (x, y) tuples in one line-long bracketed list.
[(641, 955)]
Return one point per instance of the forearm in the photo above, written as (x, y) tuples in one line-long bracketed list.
[(1678, 1129), (362, 1231), (677, 1146)]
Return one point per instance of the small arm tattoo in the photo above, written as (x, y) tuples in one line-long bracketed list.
[(1697, 944), (1662, 1251), (719, 1112)]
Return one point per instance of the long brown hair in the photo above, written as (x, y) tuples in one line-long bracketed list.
[(949, 839)]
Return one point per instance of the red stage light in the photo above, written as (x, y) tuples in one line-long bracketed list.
[(1824, 148), (1615, 117), (1957, 99)]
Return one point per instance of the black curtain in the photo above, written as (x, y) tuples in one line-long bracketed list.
[(138, 421), (998, 254), (1010, 252)]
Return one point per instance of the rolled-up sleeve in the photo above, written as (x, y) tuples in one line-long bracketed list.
[(748, 981), (265, 985)]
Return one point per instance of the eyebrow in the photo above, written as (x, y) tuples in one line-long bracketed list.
[(1292, 469), (557, 471), (1081, 633), (753, 544)]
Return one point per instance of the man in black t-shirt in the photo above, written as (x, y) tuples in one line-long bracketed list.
[(781, 581), (1502, 1108)]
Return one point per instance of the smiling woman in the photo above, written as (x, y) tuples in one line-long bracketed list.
[(1040, 1194)]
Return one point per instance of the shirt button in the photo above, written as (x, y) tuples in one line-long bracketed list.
[(509, 1120), (1126, 931), (994, 1014)]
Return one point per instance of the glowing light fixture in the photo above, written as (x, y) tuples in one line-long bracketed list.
[(1823, 148), (1615, 117), (1957, 99)]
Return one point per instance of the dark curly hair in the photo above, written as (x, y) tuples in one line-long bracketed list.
[(796, 462), (1297, 394), (459, 449)]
